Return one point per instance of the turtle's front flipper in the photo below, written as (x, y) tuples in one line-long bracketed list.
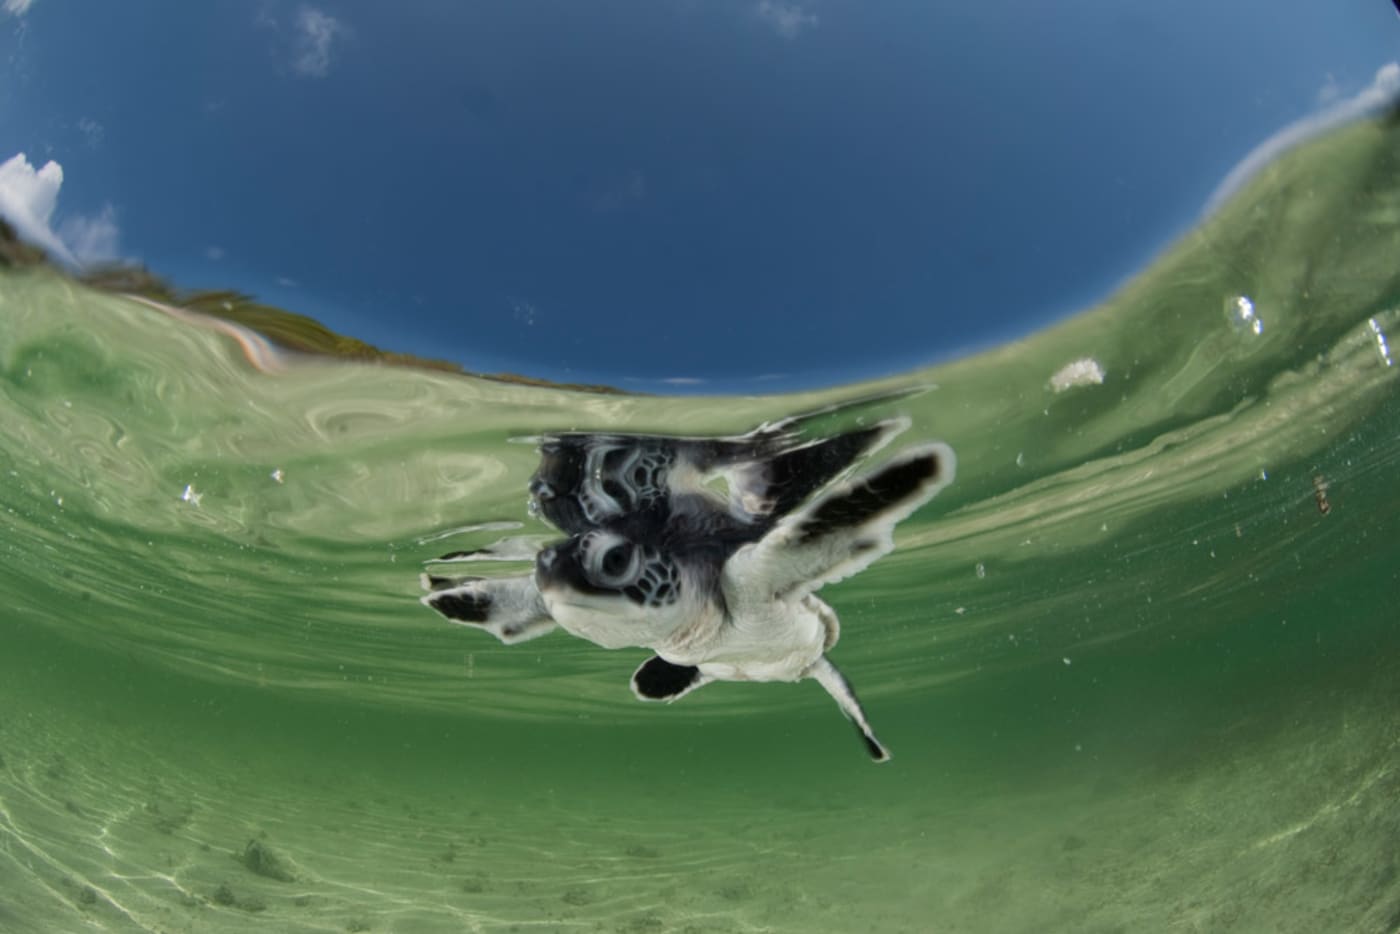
[(659, 680), (840, 689), (510, 608)]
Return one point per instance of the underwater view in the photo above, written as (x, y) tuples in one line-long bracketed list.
[(743, 467), (1137, 665)]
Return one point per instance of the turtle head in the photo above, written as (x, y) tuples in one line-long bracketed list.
[(605, 565)]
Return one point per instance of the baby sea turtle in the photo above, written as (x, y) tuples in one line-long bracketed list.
[(719, 594)]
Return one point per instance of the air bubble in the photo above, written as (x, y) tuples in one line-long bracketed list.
[(1380, 341), (1243, 316)]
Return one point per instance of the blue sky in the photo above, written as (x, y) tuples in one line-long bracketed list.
[(756, 194)]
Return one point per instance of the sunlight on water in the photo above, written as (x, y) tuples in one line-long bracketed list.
[(1137, 664)]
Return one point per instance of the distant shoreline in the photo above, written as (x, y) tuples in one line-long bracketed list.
[(285, 329)]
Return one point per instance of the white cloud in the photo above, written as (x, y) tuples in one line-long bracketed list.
[(28, 197), (214, 253), (27, 200), (18, 7), (92, 239), (317, 32), (787, 19), (1382, 92)]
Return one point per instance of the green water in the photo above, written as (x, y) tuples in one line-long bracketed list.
[(1133, 676)]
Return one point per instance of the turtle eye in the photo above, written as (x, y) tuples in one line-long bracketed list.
[(612, 561), (615, 561)]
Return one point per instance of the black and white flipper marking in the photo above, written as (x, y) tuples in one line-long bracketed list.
[(510, 608)]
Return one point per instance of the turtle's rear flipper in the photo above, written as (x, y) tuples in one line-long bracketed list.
[(659, 680), (510, 608), (840, 690)]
